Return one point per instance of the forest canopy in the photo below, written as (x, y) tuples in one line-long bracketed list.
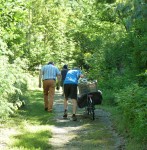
[(107, 39)]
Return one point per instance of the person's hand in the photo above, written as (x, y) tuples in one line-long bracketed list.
[(57, 86)]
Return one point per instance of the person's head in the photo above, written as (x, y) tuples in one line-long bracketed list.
[(52, 63), (65, 67)]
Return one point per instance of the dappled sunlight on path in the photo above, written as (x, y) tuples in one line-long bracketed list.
[(38, 128), (84, 133)]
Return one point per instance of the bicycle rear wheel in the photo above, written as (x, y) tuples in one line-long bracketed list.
[(91, 108), (91, 113)]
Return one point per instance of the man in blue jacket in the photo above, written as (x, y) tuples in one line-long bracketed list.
[(70, 90)]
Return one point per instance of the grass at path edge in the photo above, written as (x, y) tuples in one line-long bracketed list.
[(30, 125)]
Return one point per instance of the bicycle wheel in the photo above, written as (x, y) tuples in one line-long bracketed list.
[(93, 114), (90, 108), (90, 112)]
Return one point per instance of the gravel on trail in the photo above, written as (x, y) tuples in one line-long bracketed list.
[(85, 133)]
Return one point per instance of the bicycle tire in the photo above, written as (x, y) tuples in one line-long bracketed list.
[(90, 109), (93, 114)]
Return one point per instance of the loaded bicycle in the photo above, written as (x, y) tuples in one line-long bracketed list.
[(89, 96)]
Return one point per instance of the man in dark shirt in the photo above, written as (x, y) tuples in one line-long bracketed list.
[(63, 75)]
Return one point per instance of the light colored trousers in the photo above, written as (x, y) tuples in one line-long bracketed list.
[(49, 92)]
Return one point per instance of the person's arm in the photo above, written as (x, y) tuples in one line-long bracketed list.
[(41, 73), (58, 75), (81, 75), (59, 78), (40, 77)]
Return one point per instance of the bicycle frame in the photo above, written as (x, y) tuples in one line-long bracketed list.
[(90, 107), (88, 91)]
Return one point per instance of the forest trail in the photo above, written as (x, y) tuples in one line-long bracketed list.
[(83, 134)]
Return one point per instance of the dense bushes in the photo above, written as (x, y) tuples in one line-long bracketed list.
[(108, 39), (132, 102), (13, 81), (124, 74), (130, 99)]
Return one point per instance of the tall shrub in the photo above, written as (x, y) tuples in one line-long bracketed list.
[(13, 81), (132, 103)]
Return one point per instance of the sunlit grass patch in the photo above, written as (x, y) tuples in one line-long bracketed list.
[(31, 125), (33, 137)]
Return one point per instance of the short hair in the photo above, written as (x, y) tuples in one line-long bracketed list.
[(65, 67), (50, 62)]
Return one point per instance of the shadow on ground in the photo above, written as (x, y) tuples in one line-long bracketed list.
[(84, 133)]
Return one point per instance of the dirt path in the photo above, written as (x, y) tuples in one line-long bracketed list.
[(83, 134)]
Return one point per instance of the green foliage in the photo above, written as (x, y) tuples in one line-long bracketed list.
[(13, 81), (106, 38), (132, 103), (12, 16), (30, 126)]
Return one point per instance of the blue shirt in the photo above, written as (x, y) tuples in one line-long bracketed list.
[(49, 72), (72, 77)]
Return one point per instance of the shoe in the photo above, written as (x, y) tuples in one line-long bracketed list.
[(45, 109), (50, 110), (74, 118), (65, 114)]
